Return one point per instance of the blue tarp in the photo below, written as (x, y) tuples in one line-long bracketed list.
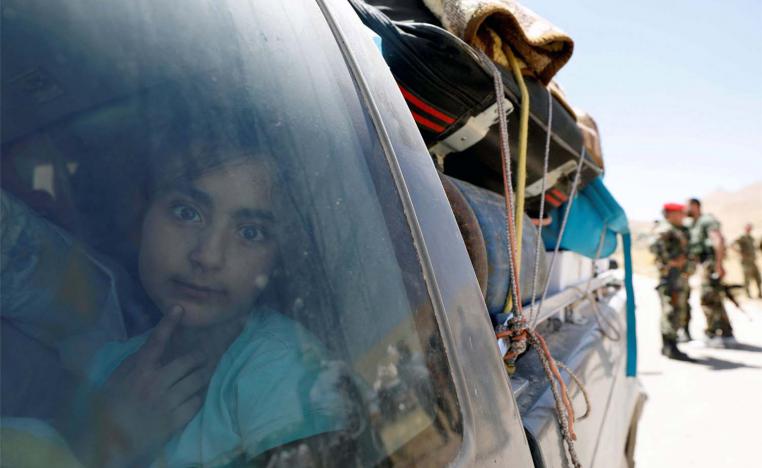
[(594, 210)]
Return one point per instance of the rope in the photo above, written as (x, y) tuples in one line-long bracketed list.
[(599, 316), (514, 296), (589, 294), (521, 168), (601, 241), (569, 204), (518, 332), (538, 243), (585, 395), (560, 395)]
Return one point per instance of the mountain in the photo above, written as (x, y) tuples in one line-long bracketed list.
[(735, 209)]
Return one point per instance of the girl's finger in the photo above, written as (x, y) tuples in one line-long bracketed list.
[(179, 368), (153, 348), (187, 387)]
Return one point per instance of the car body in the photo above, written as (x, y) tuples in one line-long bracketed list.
[(494, 418)]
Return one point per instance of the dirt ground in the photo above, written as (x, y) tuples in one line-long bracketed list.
[(703, 414)]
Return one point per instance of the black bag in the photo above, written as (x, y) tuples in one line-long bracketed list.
[(450, 93)]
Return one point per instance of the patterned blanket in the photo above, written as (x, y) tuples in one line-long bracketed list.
[(491, 25), (592, 137)]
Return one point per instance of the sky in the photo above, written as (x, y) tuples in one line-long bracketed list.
[(676, 89)]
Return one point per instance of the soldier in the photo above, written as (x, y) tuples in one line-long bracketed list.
[(708, 246), (670, 248), (683, 333), (745, 246)]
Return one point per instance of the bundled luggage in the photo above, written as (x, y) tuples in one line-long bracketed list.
[(486, 240), (439, 52), (450, 92), (489, 208)]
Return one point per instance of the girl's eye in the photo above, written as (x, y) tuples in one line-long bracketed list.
[(186, 213), (251, 233)]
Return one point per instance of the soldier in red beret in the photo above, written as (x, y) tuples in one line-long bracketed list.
[(670, 248)]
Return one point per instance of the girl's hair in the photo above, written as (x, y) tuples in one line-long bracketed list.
[(149, 141), (191, 131)]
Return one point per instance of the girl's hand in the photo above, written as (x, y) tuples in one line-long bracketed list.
[(144, 402)]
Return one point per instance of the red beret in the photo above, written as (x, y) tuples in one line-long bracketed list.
[(673, 207)]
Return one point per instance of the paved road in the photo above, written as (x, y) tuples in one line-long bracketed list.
[(704, 414)]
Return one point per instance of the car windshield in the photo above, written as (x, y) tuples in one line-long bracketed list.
[(205, 259)]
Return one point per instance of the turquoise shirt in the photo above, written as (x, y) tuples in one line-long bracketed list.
[(271, 387)]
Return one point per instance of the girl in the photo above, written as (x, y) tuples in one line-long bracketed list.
[(223, 376)]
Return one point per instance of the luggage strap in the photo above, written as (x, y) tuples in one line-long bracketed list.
[(472, 132)]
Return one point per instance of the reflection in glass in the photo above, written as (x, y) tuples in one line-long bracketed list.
[(204, 257)]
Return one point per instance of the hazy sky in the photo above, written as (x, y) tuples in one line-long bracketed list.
[(676, 89)]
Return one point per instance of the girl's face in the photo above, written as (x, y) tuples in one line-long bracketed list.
[(207, 244)]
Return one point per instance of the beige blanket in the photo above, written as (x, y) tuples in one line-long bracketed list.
[(592, 136), (490, 25)]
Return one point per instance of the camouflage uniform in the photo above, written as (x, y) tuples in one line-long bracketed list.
[(717, 321), (671, 251), (745, 245), (690, 269)]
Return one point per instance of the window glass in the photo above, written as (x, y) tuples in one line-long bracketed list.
[(205, 260)]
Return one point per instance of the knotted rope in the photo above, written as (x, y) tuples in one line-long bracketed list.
[(517, 331)]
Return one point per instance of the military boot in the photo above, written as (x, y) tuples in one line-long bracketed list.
[(713, 341), (670, 350)]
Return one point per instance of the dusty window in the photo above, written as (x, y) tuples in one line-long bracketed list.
[(204, 257)]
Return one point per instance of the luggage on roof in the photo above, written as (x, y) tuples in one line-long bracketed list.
[(489, 209), (450, 93)]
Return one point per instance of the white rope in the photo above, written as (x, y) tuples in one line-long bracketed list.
[(538, 244), (593, 301), (505, 152), (569, 204), (598, 250), (600, 317)]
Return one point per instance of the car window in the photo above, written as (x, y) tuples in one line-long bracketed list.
[(205, 260)]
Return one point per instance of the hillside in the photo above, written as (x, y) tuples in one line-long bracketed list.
[(735, 209)]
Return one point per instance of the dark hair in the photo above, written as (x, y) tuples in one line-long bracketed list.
[(134, 147), (191, 131), (695, 201)]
